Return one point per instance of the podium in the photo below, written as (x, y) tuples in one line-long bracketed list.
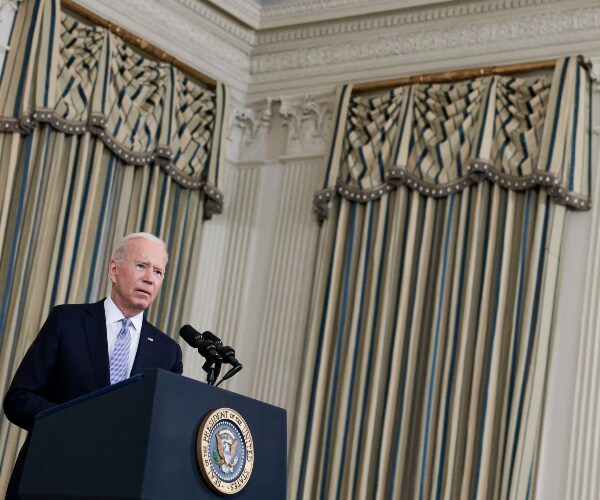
[(137, 440)]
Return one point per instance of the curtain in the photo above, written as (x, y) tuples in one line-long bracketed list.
[(96, 141), (444, 211)]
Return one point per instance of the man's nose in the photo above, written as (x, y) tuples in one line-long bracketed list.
[(149, 276)]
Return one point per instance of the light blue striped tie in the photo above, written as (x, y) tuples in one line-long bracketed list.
[(120, 355)]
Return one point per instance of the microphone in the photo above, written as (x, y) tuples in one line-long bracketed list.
[(226, 352), (209, 346), (206, 347)]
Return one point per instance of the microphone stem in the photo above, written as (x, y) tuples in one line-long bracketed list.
[(210, 376)]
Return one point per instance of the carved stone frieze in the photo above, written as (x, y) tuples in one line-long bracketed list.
[(297, 115), (249, 132), (296, 126), (294, 8), (535, 30), (308, 122), (249, 121)]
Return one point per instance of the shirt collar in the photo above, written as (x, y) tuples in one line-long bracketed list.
[(114, 314)]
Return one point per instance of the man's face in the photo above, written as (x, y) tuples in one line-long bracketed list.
[(137, 277)]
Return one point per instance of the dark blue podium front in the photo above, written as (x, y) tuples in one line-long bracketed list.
[(137, 440)]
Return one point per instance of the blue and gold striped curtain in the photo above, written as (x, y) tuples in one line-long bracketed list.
[(444, 212), (96, 141)]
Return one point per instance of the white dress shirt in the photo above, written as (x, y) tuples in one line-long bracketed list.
[(113, 326)]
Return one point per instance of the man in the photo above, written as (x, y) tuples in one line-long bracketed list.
[(84, 347)]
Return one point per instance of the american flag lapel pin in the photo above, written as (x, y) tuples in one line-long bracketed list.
[(150, 339)]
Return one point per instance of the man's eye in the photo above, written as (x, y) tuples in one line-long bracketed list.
[(141, 266), (158, 272)]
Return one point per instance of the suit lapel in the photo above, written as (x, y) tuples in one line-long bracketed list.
[(145, 349), (95, 330)]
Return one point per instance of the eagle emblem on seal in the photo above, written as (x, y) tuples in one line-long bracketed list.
[(225, 451), (226, 445)]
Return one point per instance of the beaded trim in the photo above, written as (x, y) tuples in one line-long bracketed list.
[(96, 125), (477, 171)]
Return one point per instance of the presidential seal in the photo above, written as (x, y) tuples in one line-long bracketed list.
[(225, 451)]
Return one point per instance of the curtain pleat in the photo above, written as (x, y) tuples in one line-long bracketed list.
[(444, 209), (96, 141), (431, 347)]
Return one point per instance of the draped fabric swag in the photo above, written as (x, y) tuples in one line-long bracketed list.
[(444, 210), (96, 140)]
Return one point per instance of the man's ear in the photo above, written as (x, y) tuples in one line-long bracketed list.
[(112, 270)]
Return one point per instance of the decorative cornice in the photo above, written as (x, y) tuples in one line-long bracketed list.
[(180, 28), (222, 22), (534, 30), (391, 19), (285, 14), (246, 11), (320, 6), (342, 16)]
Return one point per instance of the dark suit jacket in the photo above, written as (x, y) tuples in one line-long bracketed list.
[(69, 358)]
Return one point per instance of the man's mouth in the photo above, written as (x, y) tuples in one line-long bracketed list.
[(144, 292)]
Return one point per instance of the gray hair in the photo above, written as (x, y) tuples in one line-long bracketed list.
[(119, 251)]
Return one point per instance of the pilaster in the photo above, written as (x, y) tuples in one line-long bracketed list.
[(584, 447), (256, 259)]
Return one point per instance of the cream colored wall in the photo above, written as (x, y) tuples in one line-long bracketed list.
[(560, 465), (571, 438), (7, 15)]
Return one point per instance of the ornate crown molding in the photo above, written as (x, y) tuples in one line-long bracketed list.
[(388, 12), (216, 18), (286, 14), (343, 16), (246, 11), (309, 11), (436, 42)]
